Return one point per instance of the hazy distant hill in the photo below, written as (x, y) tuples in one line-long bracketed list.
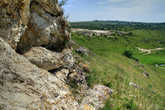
[(117, 25)]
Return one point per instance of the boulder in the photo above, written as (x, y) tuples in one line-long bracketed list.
[(46, 27), (44, 58), (68, 58), (146, 74), (82, 51), (50, 60), (133, 85), (96, 97)]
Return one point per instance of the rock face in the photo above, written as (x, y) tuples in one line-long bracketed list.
[(28, 23), (92, 33), (35, 64), (49, 60), (44, 58), (95, 98), (100, 33), (45, 27), (25, 86), (13, 20)]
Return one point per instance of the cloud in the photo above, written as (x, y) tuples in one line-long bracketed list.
[(130, 5), (128, 10), (117, 1), (111, 1)]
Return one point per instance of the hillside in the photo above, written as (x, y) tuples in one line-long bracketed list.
[(136, 78), (37, 68), (117, 25), (47, 65)]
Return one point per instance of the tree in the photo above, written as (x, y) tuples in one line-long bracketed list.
[(63, 2), (128, 54)]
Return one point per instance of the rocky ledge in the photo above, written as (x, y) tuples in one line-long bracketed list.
[(37, 65)]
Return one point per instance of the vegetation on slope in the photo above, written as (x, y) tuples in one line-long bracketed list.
[(117, 25), (110, 67)]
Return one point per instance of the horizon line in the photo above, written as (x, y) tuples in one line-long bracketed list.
[(161, 22)]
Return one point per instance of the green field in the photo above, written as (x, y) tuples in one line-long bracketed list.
[(110, 67), (152, 59)]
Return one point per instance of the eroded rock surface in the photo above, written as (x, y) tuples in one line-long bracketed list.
[(47, 26), (82, 51), (96, 97), (28, 23), (44, 58), (25, 86), (13, 20)]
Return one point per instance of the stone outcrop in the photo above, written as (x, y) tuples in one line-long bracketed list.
[(25, 86), (36, 66), (44, 58), (49, 60), (82, 51), (28, 23), (45, 27), (101, 33), (92, 33), (95, 98), (13, 20)]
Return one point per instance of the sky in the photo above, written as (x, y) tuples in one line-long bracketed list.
[(122, 10)]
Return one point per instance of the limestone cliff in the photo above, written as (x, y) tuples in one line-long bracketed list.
[(35, 63), (28, 23)]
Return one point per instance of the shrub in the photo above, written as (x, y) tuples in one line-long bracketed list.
[(128, 54)]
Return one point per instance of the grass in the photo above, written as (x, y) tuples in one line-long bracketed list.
[(154, 58), (110, 67)]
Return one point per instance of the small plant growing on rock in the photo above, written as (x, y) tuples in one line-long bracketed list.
[(63, 2)]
